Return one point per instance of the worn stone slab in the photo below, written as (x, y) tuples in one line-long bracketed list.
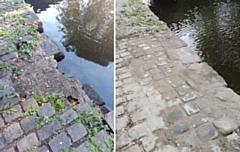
[(46, 110), (189, 96), (109, 117), (225, 125), (13, 100), (47, 130), (121, 122), (68, 116), (134, 148), (76, 131), (28, 124), (191, 108), (82, 148), (2, 142), (206, 132), (7, 89), (59, 142), (155, 123), (137, 131), (176, 130), (174, 115), (12, 132), (17, 112), (149, 142), (29, 103), (93, 95), (3, 73), (4, 81), (1, 122), (10, 150), (43, 149), (9, 56), (101, 135), (27, 142)]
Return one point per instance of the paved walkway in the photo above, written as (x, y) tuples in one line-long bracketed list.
[(167, 99), (43, 125)]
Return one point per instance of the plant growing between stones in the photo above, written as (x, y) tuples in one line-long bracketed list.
[(64, 149), (94, 146), (55, 100), (7, 109), (30, 112), (42, 121), (5, 66), (34, 149), (11, 94)]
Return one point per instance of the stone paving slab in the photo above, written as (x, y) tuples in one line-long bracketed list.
[(167, 98)]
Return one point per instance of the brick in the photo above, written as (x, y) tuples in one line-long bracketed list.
[(12, 132), (27, 142), (68, 116), (46, 110), (47, 130), (76, 131), (28, 124), (59, 142), (29, 104), (17, 112)]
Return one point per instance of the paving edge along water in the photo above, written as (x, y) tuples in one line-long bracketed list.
[(167, 98), (40, 108)]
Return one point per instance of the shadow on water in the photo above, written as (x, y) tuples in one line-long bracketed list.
[(209, 27), (84, 32)]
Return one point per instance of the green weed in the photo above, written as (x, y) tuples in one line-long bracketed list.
[(7, 109), (30, 112), (6, 66)]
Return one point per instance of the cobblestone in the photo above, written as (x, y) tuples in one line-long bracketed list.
[(12, 132), (28, 124), (76, 132), (17, 112), (27, 142), (29, 104), (59, 142), (68, 116), (47, 130), (46, 110)]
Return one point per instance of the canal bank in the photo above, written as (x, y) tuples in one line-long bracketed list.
[(42, 109), (167, 98)]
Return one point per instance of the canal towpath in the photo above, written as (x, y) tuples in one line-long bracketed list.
[(167, 98), (37, 111)]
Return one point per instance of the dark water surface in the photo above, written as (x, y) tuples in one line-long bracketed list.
[(209, 27), (83, 29)]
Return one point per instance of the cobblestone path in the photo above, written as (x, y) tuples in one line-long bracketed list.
[(168, 100), (26, 124)]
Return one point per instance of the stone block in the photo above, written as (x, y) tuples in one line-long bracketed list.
[(101, 135), (10, 150), (82, 148), (137, 131), (190, 96), (121, 122), (9, 56), (46, 110), (1, 122), (43, 149), (47, 130), (59, 142), (109, 117), (176, 130), (12, 132), (191, 108), (29, 104), (174, 115), (68, 116), (206, 132), (17, 112), (28, 124), (27, 142), (76, 131), (225, 125)]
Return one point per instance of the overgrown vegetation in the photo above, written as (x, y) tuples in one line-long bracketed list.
[(55, 100), (5, 66), (64, 149), (30, 112), (7, 109), (93, 123), (14, 4), (11, 94), (139, 18), (18, 32), (34, 149), (42, 121)]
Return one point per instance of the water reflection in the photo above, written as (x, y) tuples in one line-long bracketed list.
[(41, 5), (88, 29), (211, 28), (83, 29)]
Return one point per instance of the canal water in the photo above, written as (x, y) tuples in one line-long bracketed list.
[(83, 29), (209, 27)]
